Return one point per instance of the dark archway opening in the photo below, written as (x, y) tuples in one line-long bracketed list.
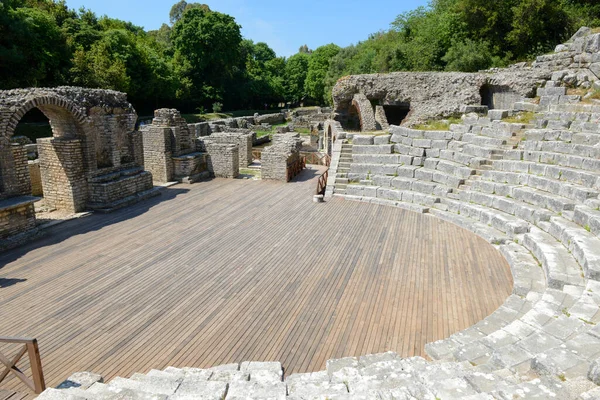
[(487, 96), (396, 113), (352, 121), (498, 97), (33, 125)]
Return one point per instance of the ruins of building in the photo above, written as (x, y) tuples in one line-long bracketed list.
[(282, 161), (170, 149), (372, 102), (92, 161)]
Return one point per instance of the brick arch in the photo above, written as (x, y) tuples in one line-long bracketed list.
[(66, 119), (366, 114)]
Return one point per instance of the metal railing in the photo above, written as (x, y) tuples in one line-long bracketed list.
[(30, 346)]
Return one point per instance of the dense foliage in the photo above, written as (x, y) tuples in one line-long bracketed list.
[(200, 59)]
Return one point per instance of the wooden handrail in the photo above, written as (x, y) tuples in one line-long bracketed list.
[(322, 183), (294, 168), (256, 154), (30, 346), (318, 159)]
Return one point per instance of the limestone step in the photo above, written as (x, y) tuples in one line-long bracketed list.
[(388, 193), (374, 149), (480, 193), (416, 185), (583, 245), (559, 265), (565, 160), (116, 175), (574, 176), (392, 203), (488, 233), (483, 141), (504, 222), (561, 147), (433, 175)]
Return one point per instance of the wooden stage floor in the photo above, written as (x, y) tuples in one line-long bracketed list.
[(232, 270)]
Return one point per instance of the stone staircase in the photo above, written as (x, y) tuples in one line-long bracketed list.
[(346, 159), (379, 376)]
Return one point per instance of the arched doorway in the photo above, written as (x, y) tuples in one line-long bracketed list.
[(61, 155)]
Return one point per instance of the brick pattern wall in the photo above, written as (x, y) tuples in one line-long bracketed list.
[(63, 174), (276, 158), (36, 178), (16, 219), (223, 160)]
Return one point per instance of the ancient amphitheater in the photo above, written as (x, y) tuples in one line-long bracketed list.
[(458, 263)]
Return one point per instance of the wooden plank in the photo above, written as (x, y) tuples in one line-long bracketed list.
[(230, 270)]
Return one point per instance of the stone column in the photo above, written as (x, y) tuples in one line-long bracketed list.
[(158, 153), (63, 174)]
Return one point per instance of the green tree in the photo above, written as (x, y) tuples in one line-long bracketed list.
[(207, 50), (33, 49), (469, 56), (317, 70), (296, 69)]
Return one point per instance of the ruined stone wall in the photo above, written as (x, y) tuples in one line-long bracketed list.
[(276, 158), (16, 216), (223, 160), (576, 62), (157, 152), (105, 192), (63, 173), (36, 178), (433, 94), (380, 118), (169, 149), (242, 139), (14, 172), (365, 112)]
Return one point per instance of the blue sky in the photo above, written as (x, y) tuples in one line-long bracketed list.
[(284, 25)]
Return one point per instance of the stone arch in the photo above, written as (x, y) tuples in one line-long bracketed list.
[(65, 118), (365, 111)]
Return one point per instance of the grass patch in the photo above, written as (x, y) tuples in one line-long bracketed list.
[(438, 125), (302, 131), (595, 95), (521, 118)]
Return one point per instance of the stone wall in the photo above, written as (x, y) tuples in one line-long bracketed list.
[(576, 62), (365, 112), (223, 160), (243, 139), (276, 159), (380, 118), (17, 215), (433, 94), (61, 161), (36, 178), (169, 149)]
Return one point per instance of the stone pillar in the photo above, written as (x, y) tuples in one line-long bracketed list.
[(36, 178), (223, 160), (158, 153), (381, 119), (63, 174), (365, 112)]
